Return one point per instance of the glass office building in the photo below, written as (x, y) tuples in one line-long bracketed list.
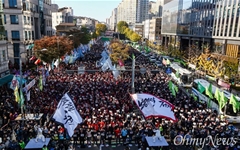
[(188, 17), (188, 21)]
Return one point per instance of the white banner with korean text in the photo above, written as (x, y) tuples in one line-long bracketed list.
[(152, 106), (67, 114)]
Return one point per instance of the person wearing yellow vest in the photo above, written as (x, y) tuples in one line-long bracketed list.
[(22, 144), (161, 128), (45, 147)]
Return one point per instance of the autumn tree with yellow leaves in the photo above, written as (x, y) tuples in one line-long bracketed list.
[(100, 28), (119, 51), (56, 46)]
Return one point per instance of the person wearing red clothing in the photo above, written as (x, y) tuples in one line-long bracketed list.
[(117, 135), (101, 124)]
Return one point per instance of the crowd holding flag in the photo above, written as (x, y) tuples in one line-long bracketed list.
[(235, 103), (200, 87), (217, 95), (152, 106), (67, 114), (16, 94), (40, 83), (14, 83), (22, 99), (223, 100), (173, 88)]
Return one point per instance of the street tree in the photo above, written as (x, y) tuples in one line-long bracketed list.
[(56, 46), (119, 51), (86, 35), (121, 25), (126, 30), (76, 36), (101, 28), (129, 34), (135, 37), (94, 35)]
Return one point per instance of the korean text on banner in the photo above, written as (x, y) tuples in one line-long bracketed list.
[(67, 114), (152, 106)]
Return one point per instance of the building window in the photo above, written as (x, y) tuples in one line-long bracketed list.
[(16, 52), (28, 21), (26, 35), (14, 19), (29, 35), (15, 35), (32, 35), (4, 55), (25, 19), (6, 35), (12, 3), (31, 20), (5, 19)]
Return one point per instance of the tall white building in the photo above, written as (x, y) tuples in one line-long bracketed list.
[(4, 70), (62, 15), (113, 19), (132, 11), (25, 21)]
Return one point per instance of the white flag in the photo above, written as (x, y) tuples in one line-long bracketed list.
[(56, 63), (67, 114), (115, 72), (28, 96), (14, 83), (152, 106)]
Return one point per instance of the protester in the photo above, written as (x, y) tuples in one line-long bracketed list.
[(107, 109)]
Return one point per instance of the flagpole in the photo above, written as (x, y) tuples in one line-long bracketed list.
[(133, 75)]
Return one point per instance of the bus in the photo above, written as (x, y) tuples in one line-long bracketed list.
[(227, 110), (185, 76)]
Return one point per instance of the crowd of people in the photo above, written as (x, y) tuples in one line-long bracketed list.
[(110, 116)]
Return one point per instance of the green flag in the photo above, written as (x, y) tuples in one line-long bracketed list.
[(21, 98), (235, 103), (201, 88), (172, 88), (217, 95), (147, 49), (223, 100), (208, 91), (40, 83), (177, 74)]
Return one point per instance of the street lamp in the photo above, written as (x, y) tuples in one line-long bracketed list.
[(133, 72)]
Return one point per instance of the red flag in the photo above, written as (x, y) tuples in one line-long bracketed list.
[(120, 62), (32, 58), (37, 61)]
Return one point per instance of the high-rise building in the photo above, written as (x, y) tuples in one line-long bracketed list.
[(132, 11), (113, 19), (155, 8), (226, 28), (4, 70), (188, 21), (62, 15), (25, 21)]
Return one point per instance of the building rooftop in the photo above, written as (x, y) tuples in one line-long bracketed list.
[(67, 24)]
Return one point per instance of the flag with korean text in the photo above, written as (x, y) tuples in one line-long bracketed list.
[(151, 106), (67, 114)]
